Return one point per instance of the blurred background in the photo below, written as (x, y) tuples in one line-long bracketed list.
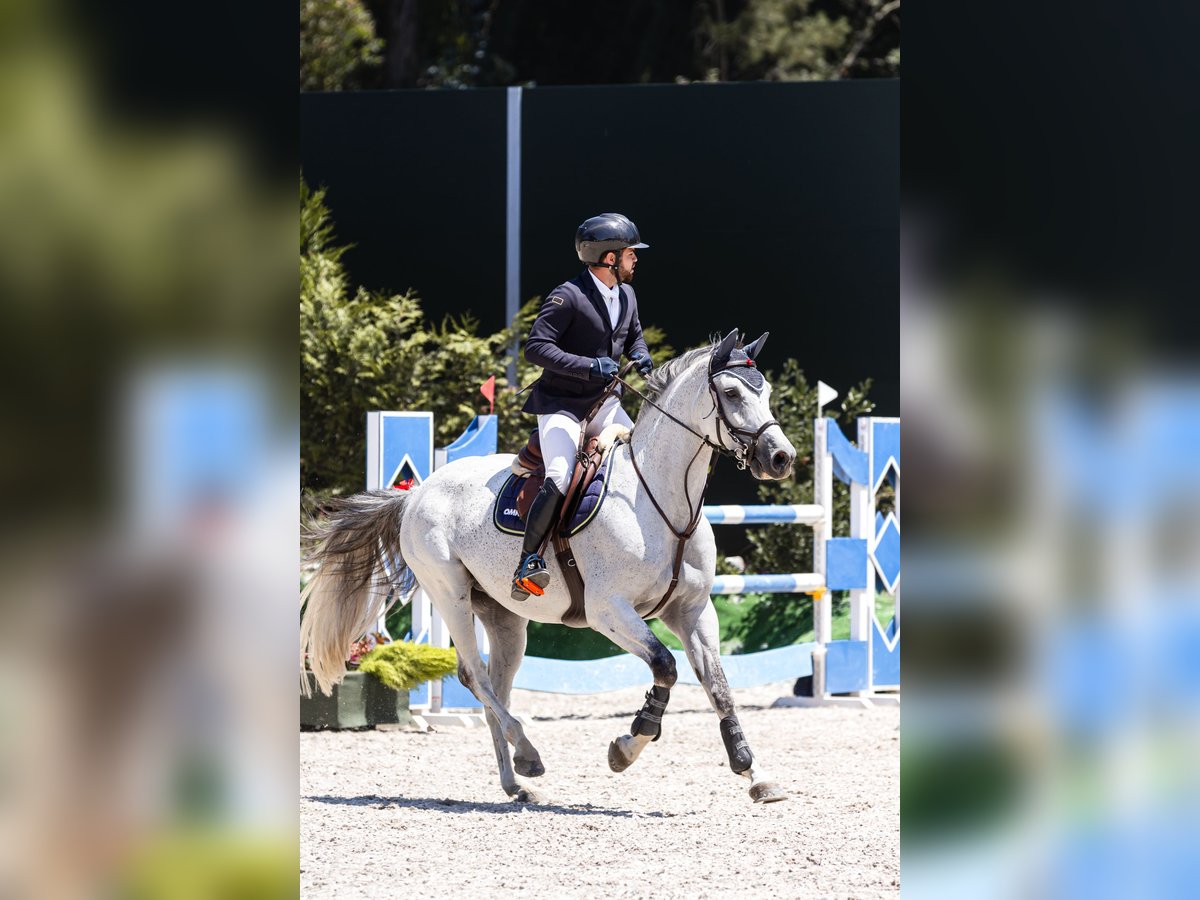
[(1050, 391), (151, 427), (148, 544), (1048, 320)]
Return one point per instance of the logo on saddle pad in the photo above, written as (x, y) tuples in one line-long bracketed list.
[(512, 512)]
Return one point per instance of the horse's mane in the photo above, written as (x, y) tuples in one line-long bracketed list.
[(662, 377)]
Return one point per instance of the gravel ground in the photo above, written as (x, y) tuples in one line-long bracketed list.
[(390, 813)]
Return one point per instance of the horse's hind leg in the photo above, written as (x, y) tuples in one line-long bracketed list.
[(620, 623), (695, 624), (449, 587), (507, 634)]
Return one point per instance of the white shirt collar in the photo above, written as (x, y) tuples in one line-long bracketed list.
[(612, 294)]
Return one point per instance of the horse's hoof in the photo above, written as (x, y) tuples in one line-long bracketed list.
[(530, 768), (527, 795), (617, 761), (767, 792)]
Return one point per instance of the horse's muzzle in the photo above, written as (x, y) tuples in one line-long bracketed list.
[(774, 456)]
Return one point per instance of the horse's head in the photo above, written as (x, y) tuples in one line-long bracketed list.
[(743, 420)]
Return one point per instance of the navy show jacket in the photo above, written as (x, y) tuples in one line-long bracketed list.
[(571, 329)]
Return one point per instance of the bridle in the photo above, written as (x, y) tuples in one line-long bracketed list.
[(745, 449)]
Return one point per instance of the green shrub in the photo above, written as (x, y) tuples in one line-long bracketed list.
[(403, 666)]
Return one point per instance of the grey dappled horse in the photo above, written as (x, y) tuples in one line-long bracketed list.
[(708, 399)]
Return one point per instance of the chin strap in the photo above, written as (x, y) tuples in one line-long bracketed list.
[(616, 270)]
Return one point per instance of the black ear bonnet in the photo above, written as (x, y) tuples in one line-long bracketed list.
[(739, 361), (742, 366)]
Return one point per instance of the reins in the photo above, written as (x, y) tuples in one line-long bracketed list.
[(724, 451), (746, 447), (741, 455), (682, 537)]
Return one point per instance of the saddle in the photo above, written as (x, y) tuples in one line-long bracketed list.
[(530, 468)]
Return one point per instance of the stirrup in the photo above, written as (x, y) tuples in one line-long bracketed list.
[(531, 577)]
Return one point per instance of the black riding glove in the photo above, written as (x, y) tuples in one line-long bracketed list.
[(643, 362), (603, 368)]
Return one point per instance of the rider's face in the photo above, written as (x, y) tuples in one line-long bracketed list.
[(627, 264)]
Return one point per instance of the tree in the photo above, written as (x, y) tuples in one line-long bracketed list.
[(485, 43), (338, 46), (799, 40)]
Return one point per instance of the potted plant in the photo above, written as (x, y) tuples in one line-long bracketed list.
[(375, 691)]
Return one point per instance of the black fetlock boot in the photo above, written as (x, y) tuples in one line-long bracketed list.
[(532, 576)]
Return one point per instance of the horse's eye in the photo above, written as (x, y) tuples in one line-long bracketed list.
[(731, 393)]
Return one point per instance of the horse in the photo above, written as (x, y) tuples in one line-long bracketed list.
[(709, 400)]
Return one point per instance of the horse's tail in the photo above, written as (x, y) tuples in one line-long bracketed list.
[(344, 598)]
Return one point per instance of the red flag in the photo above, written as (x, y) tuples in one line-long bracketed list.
[(488, 389)]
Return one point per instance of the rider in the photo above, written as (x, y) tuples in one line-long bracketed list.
[(584, 326)]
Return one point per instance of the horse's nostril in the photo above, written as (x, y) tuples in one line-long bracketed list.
[(781, 460)]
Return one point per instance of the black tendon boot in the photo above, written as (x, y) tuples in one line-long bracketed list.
[(532, 576)]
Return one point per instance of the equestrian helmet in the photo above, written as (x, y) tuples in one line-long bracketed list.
[(605, 232)]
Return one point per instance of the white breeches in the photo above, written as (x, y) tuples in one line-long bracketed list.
[(559, 433)]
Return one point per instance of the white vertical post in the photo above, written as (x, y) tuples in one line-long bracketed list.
[(422, 612), (379, 581), (862, 525), (896, 509), (820, 529), (422, 631), (381, 586), (481, 639), (512, 222), (374, 479), (823, 495), (439, 636)]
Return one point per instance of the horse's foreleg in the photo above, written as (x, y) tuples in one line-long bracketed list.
[(507, 634), (452, 597), (697, 628), (620, 623)]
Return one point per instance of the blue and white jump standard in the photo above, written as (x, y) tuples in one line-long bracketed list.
[(867, 558)]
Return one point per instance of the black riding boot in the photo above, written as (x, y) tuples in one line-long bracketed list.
[(532, 576)]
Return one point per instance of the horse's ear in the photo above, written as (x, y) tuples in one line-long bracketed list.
[(720, 357), (752, 350)]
